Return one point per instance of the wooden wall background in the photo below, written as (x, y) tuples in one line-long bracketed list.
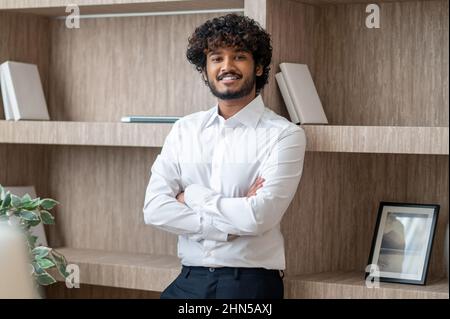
[(396, 75)]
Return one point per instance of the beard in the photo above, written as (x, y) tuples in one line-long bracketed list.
[(245, 89)]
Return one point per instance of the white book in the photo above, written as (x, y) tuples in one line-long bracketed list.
[(24, 91), (287, 98), (5, 97), (303, 93), (38, 230)]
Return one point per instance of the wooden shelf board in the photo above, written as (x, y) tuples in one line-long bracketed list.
[(84, 133), (57, 7), (320, 138), (123, 270), (377, 139), (352, 285), (325, 2)]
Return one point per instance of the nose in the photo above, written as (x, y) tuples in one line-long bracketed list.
[(227, 65)]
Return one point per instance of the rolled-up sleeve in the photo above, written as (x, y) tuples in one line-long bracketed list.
[(282, 171)]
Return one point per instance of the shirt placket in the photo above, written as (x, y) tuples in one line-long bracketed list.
[(216, 178)]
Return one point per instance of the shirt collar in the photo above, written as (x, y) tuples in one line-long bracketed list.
[(249, 115)]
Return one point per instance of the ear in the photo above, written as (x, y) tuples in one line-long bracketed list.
[(205, 77), (259, 70)]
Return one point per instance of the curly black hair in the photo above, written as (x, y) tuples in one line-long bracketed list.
[(235, 31)]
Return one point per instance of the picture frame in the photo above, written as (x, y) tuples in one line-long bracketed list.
[(402, 242)]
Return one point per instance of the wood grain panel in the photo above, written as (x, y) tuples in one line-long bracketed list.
[(330, 223), (114, 67), (290, 25), (57, 8), (321, 138), (60, 291), (101, 191), (123, 270), (395, 75), (84, 133), (25, 165), (377, 139), (25, 39), (339, 285)]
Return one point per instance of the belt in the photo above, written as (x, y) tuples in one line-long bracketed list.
[(235, 271)]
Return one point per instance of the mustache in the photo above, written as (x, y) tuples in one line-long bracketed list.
[(220, 77)]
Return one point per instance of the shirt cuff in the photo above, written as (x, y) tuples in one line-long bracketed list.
[(210, 232)]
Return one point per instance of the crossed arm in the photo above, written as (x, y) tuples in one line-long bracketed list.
[(201, 213)]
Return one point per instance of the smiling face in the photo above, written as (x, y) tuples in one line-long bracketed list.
[(231, 73)]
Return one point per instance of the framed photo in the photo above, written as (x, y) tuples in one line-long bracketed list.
[(402, 242)]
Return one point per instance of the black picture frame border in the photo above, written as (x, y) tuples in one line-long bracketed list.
[(422, 281)]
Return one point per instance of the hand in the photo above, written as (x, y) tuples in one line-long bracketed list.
[(256, 185), (180, 197)]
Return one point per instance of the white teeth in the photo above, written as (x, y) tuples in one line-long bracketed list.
[(229, 78)]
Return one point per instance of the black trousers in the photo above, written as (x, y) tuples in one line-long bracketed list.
[(225, 283)]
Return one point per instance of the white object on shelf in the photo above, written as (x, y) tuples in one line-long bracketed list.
[(22, 92), (303, 93), (287, 98), (15, 271), (6, 99)]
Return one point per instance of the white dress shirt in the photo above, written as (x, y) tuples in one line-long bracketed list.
[(215, 161)]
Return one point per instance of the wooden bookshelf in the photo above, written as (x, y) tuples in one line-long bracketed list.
[(123, 270), (384, 91), (342, 285)]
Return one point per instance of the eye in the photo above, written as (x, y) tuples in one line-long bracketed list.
[(241, 57), (216, 59)]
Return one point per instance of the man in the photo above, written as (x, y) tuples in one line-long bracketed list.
[(226, 176)]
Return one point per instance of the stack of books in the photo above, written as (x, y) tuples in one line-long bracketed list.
[(300, 94), (22, 93)]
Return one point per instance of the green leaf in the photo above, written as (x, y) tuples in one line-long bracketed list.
[(47, 218), (45, 279), (26, 198), (30, 204), (34, 223), (3, 211), (48, 203), (16, 201), (45, 263), (61, 263), (32, 240), (29, 215), (7, 200), (41, 252), (37, 269), (2, 193)]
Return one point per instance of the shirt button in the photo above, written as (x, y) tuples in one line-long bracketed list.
[(211, 269)]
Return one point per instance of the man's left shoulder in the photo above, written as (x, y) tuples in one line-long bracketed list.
[(284, 126)]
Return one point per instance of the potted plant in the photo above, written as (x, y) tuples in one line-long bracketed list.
[(26, 212)]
